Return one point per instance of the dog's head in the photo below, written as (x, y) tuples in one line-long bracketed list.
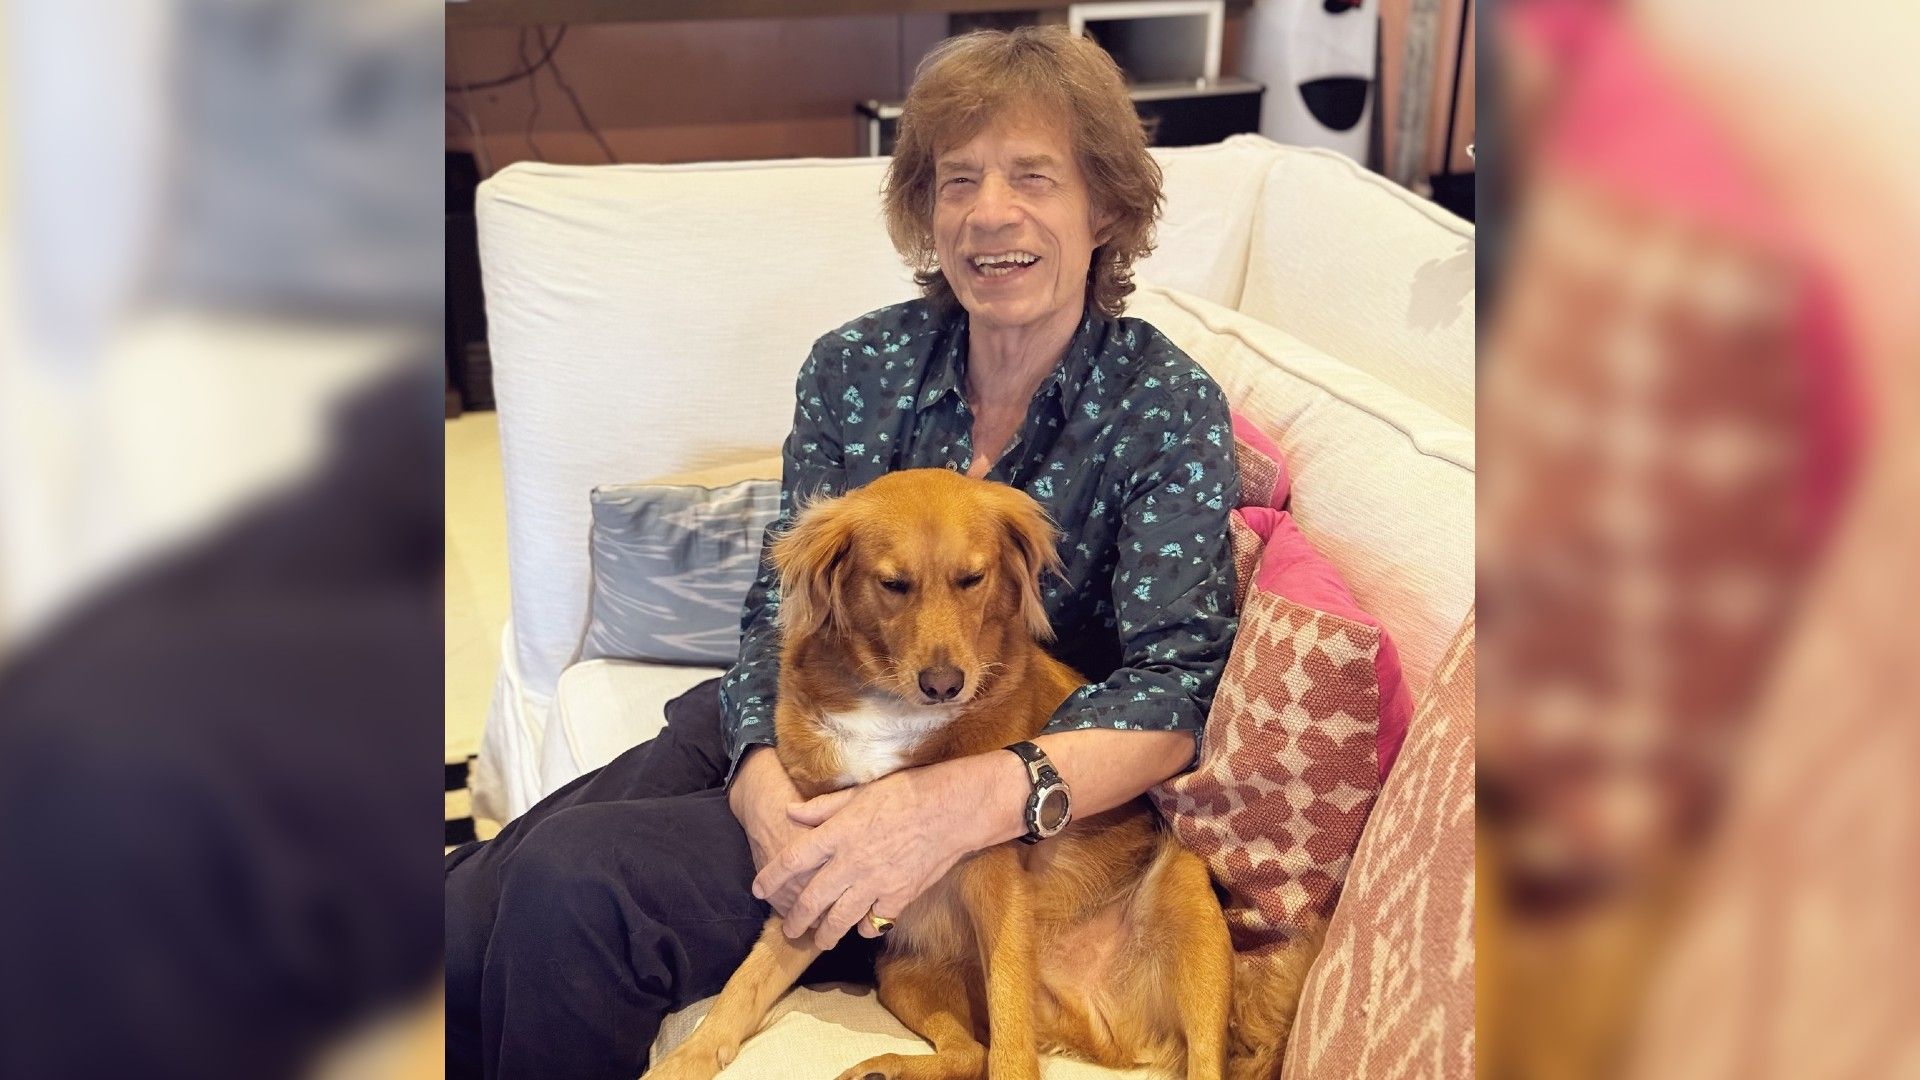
[(929, 579)]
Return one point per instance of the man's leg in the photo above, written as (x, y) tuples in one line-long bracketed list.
[(687, 756), (612, 902), (610, 916)]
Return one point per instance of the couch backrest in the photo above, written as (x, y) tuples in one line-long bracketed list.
[(1201, 238), (1364, 270), (1382, 485), (650, 319)]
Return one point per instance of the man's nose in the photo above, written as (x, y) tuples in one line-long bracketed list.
[(997, 206)]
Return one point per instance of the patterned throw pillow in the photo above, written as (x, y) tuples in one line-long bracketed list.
[(1392, 993), (1263, 482), (671, 567), (1263, 476), (1309, 715)]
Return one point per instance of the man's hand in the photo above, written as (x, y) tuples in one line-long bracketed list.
[(761, 795), (877, 847)]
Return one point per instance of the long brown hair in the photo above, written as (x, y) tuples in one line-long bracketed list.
[(1043, 71)]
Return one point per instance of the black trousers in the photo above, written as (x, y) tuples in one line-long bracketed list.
[(619, 898)]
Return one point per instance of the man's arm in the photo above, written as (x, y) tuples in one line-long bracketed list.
[(1173, 585), (1173, 599), (1104, 767)]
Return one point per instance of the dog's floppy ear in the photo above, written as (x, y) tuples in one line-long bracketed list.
[(809, 556), (1032, 544)]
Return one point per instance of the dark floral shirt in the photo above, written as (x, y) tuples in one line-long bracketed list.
[(1127, 445)]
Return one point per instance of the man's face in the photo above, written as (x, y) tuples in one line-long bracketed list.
[(1013, 223)]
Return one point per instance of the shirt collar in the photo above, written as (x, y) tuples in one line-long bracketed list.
[(948, 371)]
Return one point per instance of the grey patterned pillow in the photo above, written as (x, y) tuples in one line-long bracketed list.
[(671, 567)]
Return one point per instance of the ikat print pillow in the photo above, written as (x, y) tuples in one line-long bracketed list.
[(671, 567), (1309, 715)]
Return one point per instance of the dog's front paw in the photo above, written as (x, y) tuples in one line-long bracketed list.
[(689, 1061), (884, 1067)]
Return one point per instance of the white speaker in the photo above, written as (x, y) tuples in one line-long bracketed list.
[(1317, 58)]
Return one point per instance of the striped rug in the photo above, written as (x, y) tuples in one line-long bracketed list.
[(462, 826)]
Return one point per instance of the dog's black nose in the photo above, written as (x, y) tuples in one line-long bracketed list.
[(941, 683)]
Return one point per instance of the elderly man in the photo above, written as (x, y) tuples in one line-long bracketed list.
[(1021, 192)]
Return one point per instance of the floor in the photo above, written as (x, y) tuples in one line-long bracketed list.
[(476, 595)]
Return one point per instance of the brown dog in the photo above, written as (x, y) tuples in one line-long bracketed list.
[(1106, 942)]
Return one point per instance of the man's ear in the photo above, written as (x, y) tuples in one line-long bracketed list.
[(1032, 545), (809, 557)]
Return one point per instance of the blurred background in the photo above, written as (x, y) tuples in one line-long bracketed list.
[(1698, 521), (220, 315)]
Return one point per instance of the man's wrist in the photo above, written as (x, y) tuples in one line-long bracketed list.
[(749, 779), (1007, 788)]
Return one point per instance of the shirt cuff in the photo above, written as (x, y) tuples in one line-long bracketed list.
[(758, 734)]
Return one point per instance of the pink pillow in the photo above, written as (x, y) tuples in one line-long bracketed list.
[(1309, 715), (1263, 475), (1290, 567)]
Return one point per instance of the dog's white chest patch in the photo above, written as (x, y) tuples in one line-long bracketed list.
[(878, 737)]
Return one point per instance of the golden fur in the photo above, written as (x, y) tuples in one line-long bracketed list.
[(1105, 943)]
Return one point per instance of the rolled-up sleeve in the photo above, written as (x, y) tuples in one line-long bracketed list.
[(811, 465), (1173, 584)]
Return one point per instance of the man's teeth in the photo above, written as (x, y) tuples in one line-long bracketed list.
[(1003, 263)]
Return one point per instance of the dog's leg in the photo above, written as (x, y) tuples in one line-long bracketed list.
[(1000, 905), (926, 997), (768, 972), (1197, 963)]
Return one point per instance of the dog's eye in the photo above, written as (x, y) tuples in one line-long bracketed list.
[(971, 580), (895, 585)]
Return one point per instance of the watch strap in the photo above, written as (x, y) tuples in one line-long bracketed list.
[(1040, 775), (1039, 769)]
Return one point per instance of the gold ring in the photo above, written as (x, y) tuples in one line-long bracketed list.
[(880, 925)]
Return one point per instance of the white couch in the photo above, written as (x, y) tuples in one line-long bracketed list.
[(649, 320)]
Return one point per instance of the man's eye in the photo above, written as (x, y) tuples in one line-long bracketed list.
[(971, 580), (895, 585)]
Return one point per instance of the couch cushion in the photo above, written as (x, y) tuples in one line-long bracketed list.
[(758, 467), (1364, 270), (603, 708), (824, 1031), (1381, 484)]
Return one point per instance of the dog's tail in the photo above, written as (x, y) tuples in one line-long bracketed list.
[(1266, 994)]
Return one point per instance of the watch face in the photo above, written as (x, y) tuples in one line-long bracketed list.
[(1053, 810)]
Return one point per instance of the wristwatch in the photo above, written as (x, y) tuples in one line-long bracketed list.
[(1050, 805)]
